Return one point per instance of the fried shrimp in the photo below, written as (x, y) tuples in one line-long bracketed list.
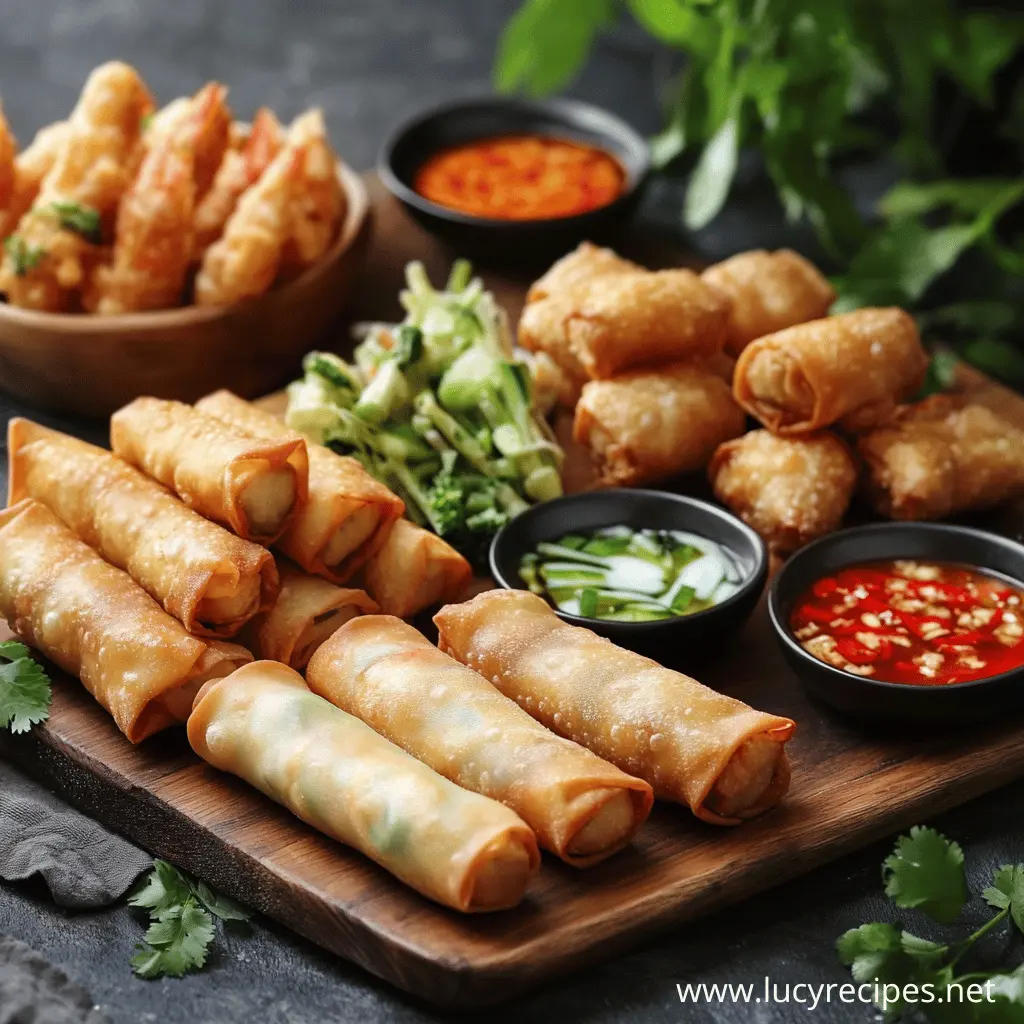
[(55, 242), (31, 165), (8, 150), (244, 262), (240, 166)]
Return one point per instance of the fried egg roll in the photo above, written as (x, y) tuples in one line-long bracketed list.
[(253, 486), (618, 321), (388, 674), (652, 424), (852, 369), (347, 515), (307, 611), (414, 570), (586, 262), (942, 456), (97, 623), (210, 580), (695, 746), (338, 775), (789, 489), (769, 291)]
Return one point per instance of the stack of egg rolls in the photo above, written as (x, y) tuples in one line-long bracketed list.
[(95, 622), (348, 514), (723, 759), (388, 674), (456, 847), (203, 575)]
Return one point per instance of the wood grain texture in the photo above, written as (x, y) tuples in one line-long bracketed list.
[(849, 788)]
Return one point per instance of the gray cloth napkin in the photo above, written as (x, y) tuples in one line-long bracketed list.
[(84, 865), (33, 991)]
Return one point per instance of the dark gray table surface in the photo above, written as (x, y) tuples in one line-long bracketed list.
[(368, 63)]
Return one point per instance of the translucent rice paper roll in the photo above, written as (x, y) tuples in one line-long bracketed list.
[(721, 758), (97, 623), (202, 574), (338, 775), (249, 484), (388, 674)]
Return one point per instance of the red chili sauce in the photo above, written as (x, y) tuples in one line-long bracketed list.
[(922, 623), (521, 177)]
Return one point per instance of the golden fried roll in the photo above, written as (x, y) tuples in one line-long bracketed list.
[(348, 514), (225, 473), (307, 611), (413, 570), (584, 263), (942, 456), (852, 369), (789, 489), (725, 760), (542, 328), (97, 623), (203, 575), (769, 291), (388, 674), (338, 775), (651, 424)]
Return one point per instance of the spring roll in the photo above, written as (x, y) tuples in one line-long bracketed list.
[(414, 570), (253, 486), (769, 291), (726, 761), (210, 580), (307, 611), (852, 369), (941, 456), (613, 323), (652, 424), (97, 623), (586, 262), (388, 674), (790, 489), (348, 514), (338, 775)]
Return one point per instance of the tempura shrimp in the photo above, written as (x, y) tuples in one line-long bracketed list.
[(153, 246), (31, 165), (245, 261), (241, 166), (8, 150), (48, 257)]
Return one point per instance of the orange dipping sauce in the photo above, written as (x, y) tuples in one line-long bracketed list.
[(521, 177)]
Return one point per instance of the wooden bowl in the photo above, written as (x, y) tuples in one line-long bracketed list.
[(92, 365)]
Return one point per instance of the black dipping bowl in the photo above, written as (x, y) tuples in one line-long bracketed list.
[(471, 119), (680, 641), (872, 700)]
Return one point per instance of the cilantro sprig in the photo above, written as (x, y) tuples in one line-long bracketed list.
[(181, 912), (82, 220), (926, 872), (23, 255), (24, 688)]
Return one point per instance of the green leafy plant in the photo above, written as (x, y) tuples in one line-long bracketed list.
[(926, 872), (24, 688), (181, 911)]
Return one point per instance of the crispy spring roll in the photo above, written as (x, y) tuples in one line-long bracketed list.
[(769, 291), (414, 570), (790, 489), (348, 514), (226, 474), (338, 775), (388, 674), (942, 456), (586, 262), (725, 760), (652, 424), (615, 322), (307, 611), (852, 369), (97, 623), (203, 575)]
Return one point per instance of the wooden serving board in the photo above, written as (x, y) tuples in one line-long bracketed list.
[(849, 788)]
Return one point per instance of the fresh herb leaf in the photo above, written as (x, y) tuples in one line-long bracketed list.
[(219, 905), (941, 375), (164, 889), (24, 689), (926, 872), (712, 177), (82, 220), (1007, 891), (997, 358), (23, 256)]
